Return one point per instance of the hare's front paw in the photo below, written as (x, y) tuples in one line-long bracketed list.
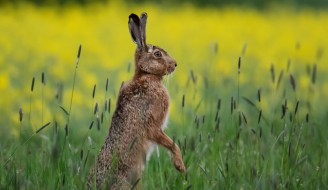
[(178, 162)]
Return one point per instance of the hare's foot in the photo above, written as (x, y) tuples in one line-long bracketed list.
[(177, 160), (162, 139)]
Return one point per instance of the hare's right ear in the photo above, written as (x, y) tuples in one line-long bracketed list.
[(134, 28)]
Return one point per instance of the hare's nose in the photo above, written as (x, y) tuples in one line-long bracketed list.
[(176, 64)]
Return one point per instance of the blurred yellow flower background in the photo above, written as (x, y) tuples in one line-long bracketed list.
[(36, 39)]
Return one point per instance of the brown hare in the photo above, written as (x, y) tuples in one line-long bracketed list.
[(141, 113)]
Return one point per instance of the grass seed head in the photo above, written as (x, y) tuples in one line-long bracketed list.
[(66, 130), (106, 105), (98, 124), (91, 125), (183, 100), (272, 73), (32, 86), (260, 115), (219, 104), (296, 107), (260, 132), (216, 115), (122, 84), (280, 78), (244, 117), (259, 94), (56, 127), (57, 91), (78, 55), (307, 118), (21, 114), (40, 129), (289, 148), (292, 81), (286, 105), (94, 92), (197, 123), (102, 117), (239, 60), (290, 117), (96, 109), (196, 117), (42, 78), (200, 137), (253, 131), (239, 118), (107, 83), (283, 111), (217, 126)]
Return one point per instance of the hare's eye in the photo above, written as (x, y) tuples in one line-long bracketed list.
[(158, 54)]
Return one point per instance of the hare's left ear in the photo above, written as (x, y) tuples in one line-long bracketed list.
[(137, 30), (134, 28)]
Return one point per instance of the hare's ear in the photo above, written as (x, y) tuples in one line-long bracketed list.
[(143, 22), (134, 28)]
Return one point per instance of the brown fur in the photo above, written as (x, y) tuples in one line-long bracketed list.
[(135, 116)]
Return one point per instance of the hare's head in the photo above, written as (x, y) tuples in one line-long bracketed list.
[(149, 58)]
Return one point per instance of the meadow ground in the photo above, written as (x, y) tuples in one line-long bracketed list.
[(225, 145)]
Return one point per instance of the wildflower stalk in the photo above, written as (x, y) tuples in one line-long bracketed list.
[(239, 62), (77, 62), (32, 88)]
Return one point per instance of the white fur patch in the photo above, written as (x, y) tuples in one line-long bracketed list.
[(166, 122), (151, 147)]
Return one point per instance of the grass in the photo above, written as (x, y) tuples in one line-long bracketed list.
[(238, 144), (238, 153)]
